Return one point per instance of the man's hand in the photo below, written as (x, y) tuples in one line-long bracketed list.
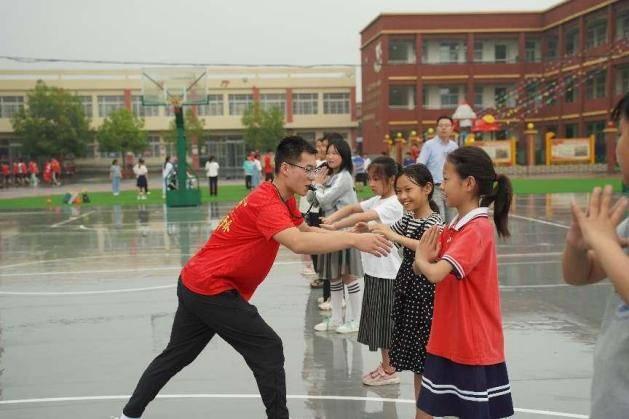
[(373, 243), (600, 222), (429, 245)]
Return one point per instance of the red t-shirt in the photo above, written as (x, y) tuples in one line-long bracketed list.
[(268, 167), (6, 170), (467, 323), (241, 251), (15, 169), (33, 168)]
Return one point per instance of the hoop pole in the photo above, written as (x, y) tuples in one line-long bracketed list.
[(182, 175)]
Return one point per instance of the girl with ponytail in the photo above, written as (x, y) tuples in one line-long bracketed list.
[(466, 345), (413, 294)]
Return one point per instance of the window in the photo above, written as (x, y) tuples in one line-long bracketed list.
[(443, 51), (572, 130), (572, 41), (305, 103), (239, 103), (532, 94), (552, 42), (10, 105), (500, 97), (570, 89), (478, 97), (402, 51), (402, 97), (449, 97), (622, 80), (622, 25), (109, 104), (140, 110), (595, 84), (532, 51), (86, 103), (500, 53), (269, 101), (214, 106), (153, 149), (551, 89), (596, 33), (478, 51), (336, 103)]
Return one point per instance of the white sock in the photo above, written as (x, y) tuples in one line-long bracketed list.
[(353, 289), (336, 298), (122, 416)]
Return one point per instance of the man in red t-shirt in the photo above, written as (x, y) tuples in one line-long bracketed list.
[(217, 282)]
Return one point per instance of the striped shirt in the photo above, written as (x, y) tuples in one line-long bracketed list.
[(414, 228)]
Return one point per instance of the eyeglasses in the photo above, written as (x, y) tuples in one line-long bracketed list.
[(310, 171)]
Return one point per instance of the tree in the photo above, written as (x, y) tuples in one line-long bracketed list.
[(121, 132), (53, 123), (193, 127), (263, 129)]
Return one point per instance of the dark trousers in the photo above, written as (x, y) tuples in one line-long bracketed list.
[(213, 185), (197, 320), (248, 179)]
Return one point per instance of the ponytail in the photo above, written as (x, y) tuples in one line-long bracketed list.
[(433, 205), (501, 197), (492, 188)]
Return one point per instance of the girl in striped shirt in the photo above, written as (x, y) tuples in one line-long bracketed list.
[(413, 293)]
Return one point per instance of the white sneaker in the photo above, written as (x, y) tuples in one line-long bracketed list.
[(326, 326), (320, 300), (348, 327), (326, 305)]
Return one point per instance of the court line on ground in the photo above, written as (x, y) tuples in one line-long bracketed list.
[(537, 220), (71, 219), (257, 396)]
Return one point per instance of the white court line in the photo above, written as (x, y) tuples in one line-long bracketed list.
[(69, 220), (103, 271), (257, 396), (35, 293), (537, 220)]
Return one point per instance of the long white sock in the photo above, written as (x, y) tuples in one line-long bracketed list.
[(336, 298), (353, 289)]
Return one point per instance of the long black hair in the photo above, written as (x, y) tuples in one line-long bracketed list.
[(383, 167), (492, 188), (621, 110), (336, 140), (420, 176)]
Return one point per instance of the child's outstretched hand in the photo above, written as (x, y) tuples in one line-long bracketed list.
[(429, 245), (600, 222), (360, 227), (382, 229), (330, 227)]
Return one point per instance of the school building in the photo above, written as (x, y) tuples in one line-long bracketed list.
[(313, 100), (561, 69)]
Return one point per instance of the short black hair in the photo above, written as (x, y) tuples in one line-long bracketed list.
[(621, 110), (445, 117), (289, 150), (342, 147)]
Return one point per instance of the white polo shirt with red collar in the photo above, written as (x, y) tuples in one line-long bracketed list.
[(467, 322)]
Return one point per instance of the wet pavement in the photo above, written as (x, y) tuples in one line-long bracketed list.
[(87, 299)]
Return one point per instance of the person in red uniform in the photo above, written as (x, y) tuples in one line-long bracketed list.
[(268, 165), (6, 173), (48, 172), (33, 169), (56, 171), (216, 284)]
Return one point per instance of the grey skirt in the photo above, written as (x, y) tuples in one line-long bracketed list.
[(336, 264)]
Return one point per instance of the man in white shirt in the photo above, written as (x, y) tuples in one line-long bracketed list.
[(433, 155), (211, 170)]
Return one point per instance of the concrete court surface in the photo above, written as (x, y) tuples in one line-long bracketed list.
[(87, 299)]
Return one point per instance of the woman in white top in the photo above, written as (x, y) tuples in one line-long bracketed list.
[(167, 171), (211, 169), (141, 173), (344, 266)]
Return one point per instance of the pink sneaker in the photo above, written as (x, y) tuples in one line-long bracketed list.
[(381, 378), (372, 373)]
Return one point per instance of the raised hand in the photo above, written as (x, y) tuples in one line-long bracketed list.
[(600, 222), (330, 227), (429, 246)]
